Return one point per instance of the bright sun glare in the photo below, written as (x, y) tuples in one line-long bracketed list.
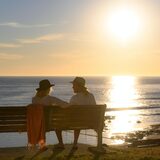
[(123, 23), (123, 92)]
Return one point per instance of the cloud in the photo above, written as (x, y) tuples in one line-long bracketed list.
[(9, 45), (87, 38), (21, 42), (72, 55), (18, 25), (49, 37), (7, 56)]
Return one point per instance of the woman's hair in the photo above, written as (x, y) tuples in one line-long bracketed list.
[(43, 93), (84, 90)]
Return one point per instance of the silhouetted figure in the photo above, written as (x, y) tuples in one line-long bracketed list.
[(41, 99), (82, 97)]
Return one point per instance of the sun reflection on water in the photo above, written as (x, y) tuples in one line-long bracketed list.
[(124, 121), (123, 94)]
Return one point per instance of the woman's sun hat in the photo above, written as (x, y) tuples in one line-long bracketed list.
[(44, 84)]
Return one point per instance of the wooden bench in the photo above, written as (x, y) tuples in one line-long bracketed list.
[(13, 118)]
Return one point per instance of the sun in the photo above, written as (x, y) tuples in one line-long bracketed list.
[(123, 23)]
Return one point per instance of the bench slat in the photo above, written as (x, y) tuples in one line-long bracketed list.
[(12, 122), (12, 128), (13, 110), (20, 117)]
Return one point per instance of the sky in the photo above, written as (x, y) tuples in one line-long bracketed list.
[(79, 37)]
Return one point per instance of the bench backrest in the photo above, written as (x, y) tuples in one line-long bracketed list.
[(13, 119)]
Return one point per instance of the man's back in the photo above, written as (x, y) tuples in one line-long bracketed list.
[(83, 99)]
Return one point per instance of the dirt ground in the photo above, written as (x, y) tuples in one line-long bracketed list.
[(82, 153)]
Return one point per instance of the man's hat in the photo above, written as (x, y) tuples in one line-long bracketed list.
[(44, 84), (79, 81)]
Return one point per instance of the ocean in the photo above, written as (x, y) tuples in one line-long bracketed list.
[(116, 92)]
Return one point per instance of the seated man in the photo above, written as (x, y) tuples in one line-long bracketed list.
[(82, 97)]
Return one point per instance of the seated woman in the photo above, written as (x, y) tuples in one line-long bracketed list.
[(41, 99)]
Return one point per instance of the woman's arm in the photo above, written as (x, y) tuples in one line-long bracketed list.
[(58, 101)]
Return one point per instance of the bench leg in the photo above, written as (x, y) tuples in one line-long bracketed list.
[(99, 143), (99, 149)]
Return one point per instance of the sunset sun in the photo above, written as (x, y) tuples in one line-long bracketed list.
[(123, 23)]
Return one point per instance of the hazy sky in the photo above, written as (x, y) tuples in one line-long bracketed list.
[(79, 37)]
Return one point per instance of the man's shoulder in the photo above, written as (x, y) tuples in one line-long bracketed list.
[(91, 94), (74, 96)]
